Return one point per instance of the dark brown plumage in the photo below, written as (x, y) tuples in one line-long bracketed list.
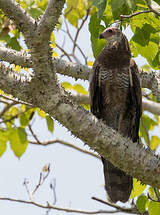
[(115, 97)]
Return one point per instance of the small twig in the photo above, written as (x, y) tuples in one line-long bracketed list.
[(33, 134), (41, 179), (15, 100), (65, 53), (134, 14), (48, 206), (152, 10), (25, 183), (65, 144), (125, 210), (80, 27), (53, 188)]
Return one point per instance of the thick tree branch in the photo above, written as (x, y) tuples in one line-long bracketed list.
[(50, 18), (151, 106), (13, 83), (48, 206), (151, 80), (24, 22), (21, 58), (119, 150)]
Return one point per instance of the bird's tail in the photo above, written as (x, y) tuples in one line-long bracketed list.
[(117, 184)]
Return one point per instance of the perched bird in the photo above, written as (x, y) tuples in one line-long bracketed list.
[(115, 97)]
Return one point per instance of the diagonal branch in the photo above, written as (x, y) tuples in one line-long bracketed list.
[(62, 142), (134, 14), (151, 9), (50, 18), (12, 10)]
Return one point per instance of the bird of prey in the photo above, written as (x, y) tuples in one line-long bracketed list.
[(115, 97)]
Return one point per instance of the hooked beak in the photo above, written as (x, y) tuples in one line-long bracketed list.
[(101, 36)]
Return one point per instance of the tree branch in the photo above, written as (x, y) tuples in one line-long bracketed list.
[(62, 142), (48, 206), (149, 6), (50, 18), (13, 83), (151, 80), (134, 14), (151, 106), (122, 209), (21, 58), (12, 10)]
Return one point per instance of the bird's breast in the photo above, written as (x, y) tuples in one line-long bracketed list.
[(115, 84)]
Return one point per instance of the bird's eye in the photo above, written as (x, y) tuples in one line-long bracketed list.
[(110, 31)]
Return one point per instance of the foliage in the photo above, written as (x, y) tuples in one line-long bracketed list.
[(16, 118)]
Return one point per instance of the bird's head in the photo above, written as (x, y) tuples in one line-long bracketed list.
[(115, 39), (110, 33)]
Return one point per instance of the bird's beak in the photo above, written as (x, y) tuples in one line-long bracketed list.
[(101, 36)]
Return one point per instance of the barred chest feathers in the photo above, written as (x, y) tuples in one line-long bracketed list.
[(115, 85)]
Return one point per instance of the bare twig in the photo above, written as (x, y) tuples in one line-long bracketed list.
[(134, 14), (43, 175), (48, 206), (149, 6), (15, 100), (53, 188), (79, 29), (65, 144), (42, 179), (33, 134), (65, 53), (122, 209)]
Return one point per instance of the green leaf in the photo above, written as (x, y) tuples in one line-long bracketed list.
[(152, 193), (122, 7), (138, 188), (26, 117), (35, 12), (75, 10), (80, 89), (142, 203), (67, 86), (14, 44), (95, 29), (142, 35), (86, 106), (101, 5), (18, 141), (155, 142), (3, 142), (50, 123), (41, 113), (154, 208)]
